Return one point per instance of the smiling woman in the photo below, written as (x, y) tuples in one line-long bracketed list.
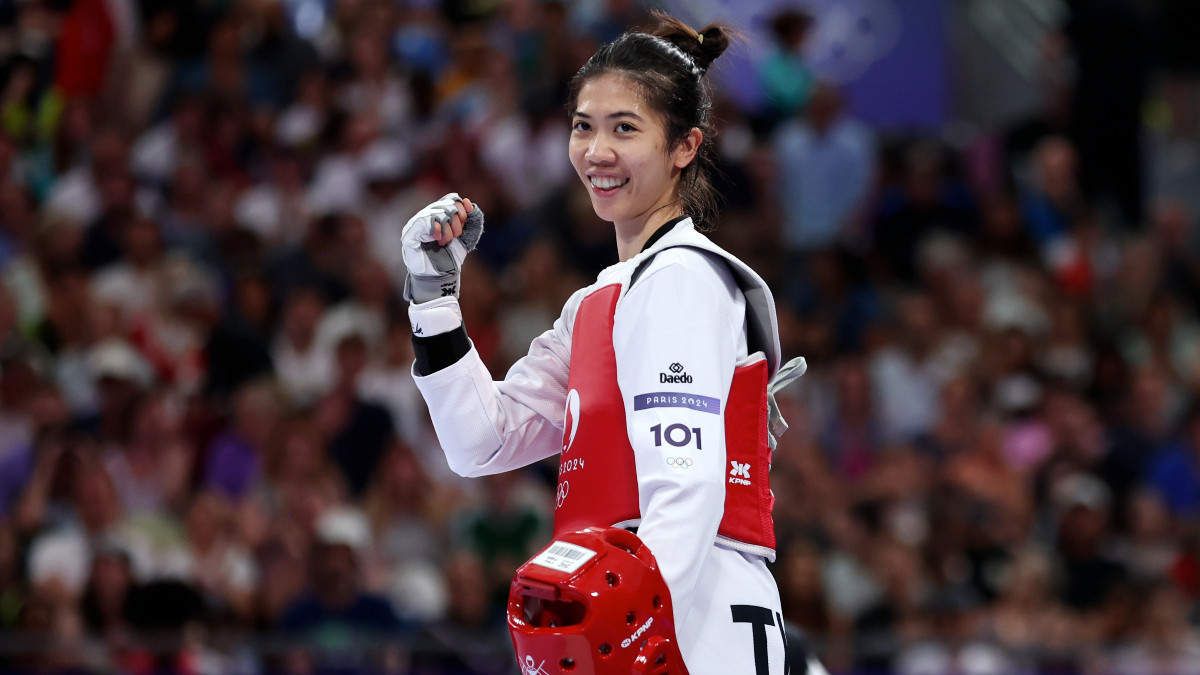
[(649, 88), (652, 386), (619, 149)]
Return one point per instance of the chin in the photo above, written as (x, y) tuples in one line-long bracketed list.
[(604, 211)]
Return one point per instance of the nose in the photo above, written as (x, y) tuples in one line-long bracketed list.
[(600, 150)]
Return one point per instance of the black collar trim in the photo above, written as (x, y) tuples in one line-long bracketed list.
[(662, 231)]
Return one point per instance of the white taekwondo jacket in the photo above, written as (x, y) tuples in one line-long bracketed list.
[(677, 335)]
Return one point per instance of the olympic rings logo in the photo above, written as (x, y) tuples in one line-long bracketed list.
[(680, 462)]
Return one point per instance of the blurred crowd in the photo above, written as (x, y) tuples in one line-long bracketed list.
[(213, 457)]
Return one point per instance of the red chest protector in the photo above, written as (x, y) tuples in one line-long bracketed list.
[(595, 437)]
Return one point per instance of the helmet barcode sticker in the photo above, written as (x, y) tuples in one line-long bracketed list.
[(563, 557)]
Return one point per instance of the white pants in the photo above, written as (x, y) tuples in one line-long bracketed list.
[(736, 627)]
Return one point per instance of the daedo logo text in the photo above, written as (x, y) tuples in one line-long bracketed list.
[(677, 375)]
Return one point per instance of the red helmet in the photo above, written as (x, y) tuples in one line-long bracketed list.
[(593, 603)]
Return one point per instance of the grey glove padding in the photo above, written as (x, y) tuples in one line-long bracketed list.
[(424, 288)]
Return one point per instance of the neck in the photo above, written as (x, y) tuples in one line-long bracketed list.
[(632, 235)]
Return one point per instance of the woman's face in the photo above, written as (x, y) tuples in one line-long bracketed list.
[(618, 148)]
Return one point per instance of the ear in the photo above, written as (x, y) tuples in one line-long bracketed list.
[(686, 151)]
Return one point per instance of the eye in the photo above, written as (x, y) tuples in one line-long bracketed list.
[(626, 128), (580, 125)]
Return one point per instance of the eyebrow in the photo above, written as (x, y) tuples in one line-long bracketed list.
[(619, 113)]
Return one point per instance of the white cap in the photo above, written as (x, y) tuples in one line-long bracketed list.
[(61, 556), (117, 359), (385, 160), (187, 281), (346, 526), (1011, 309)]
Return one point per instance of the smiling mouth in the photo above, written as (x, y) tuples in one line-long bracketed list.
[(607, 185)]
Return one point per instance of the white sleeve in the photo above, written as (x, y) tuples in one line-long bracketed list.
[(677, 336), (488, 427)]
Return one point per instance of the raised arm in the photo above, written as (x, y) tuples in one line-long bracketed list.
[(484, 426)]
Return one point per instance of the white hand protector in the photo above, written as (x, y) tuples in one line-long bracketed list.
[(434, 270)]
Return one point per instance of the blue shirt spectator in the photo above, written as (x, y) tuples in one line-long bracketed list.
[(826, 164)]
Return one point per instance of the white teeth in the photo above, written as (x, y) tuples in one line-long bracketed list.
[(606, 183)]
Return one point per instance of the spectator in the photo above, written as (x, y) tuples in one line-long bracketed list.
[(60, 558), (1164, 641), (927, 202), (336, 613), (18, 222), (277, 50), (372, 86), (307, 263), (365, 312), (1053, 114), (387, 382), (1149, 550), (251, 305), (297, 460), (104, 239), (63, 327), (981, 473), (224, 72), (408, 513), (301, 123), (358, 431), (156, 154), (304, 366), (337, 179), (106, 596), (1174, 471), (538, 288), (908, 375), (526, 149), (470, 639), (503, 530), (1090, 577), (221, 569), (233, 356), (802, 590), (390, 198), (1024, 611), (1052, 201), (185, 208), (120, 375), (850, 435), (130, 283), (39, 493), (235, 459), (17, 379), (1067, 355), (275, 207), (76, 194), (825, 162), (1151, 408), (787, 80), (151, 462), (1164, 336)]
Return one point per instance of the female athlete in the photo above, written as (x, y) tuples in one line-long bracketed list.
[(652, 384)]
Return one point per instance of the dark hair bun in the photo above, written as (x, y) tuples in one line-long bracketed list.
[(703, 46)]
